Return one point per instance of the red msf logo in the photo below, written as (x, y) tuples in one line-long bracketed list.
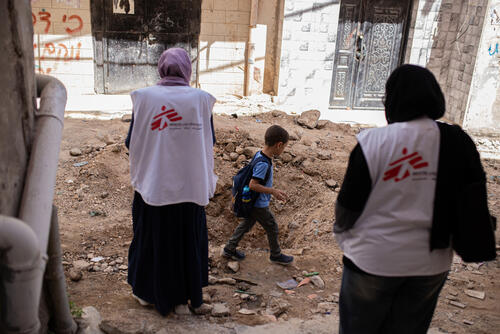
[(415, 161), (160, 121)]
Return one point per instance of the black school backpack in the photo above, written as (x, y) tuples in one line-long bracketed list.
[(242, 179)]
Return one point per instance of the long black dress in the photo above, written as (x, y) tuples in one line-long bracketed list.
[(168, 256)]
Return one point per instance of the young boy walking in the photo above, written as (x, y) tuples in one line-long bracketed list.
[(276, 139)]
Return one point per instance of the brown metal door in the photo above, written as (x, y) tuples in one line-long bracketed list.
[(373, 46)]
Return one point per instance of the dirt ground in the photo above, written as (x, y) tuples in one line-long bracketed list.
[(94, 198)]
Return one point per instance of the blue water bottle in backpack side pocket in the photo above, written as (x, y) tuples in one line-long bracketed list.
[(246, 195)]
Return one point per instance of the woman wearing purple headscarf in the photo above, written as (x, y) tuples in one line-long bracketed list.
[(171, 167)]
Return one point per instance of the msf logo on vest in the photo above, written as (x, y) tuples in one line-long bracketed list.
[(161, 120), (400, 169)]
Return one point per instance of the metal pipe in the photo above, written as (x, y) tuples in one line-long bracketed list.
[(36, 211), (55, 284), (21, 269), (38, 194)]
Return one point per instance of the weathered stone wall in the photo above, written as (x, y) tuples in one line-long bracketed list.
[(444, 37), (308, 49), (18, 101), (62, 42), (483, 114)]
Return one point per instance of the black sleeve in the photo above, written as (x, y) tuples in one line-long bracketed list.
[(354, 192), (473, 237), (129, 135), (213, 130)]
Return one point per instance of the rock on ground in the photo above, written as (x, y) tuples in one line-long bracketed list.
[(309, 118), (89, 321), (220, 310), (318, 282)]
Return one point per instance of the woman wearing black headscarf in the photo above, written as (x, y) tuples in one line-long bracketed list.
[(413, 192)]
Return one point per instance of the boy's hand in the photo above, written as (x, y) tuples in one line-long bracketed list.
[(280, 195)]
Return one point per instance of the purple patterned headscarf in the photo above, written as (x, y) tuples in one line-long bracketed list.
[(174, 67)]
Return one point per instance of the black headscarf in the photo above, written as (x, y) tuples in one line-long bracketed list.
[(411, 92)]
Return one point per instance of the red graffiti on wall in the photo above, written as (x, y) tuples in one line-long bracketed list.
[(45, 17), (74, 23), (78, 28), (57, 52)]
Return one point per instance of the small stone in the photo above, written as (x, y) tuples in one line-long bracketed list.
[(226, 280), (206, 298), (286, 157), (468, 322), (239, 150), (69, 181), (97, 259), (318, 282), (123, 267), (89, 322), (309, 118), (246, 311), (75, 275), (220, 310), (277, 307), (81, 265), (324, 155), (475, 294), (230, 148), (293, 225), (332, 184), (250, 151), (234, 156), (104, 194), (75, 152), (234, 266), (112, 263), (107, 139), (244, 296), (116, 149), (241, 158), (212, 280), (119, 260), (457, 304), (108, 270)]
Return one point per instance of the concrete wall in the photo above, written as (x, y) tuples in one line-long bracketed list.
[(62, 42), (223, 38), (444, 37), (308, 49), (483, 113)]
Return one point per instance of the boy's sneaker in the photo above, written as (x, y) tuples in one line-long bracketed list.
[(235, 255), (282, 259)]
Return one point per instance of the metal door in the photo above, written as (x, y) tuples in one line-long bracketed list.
[(370, 43), (130, 35)]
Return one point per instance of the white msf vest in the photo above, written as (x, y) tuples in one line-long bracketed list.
[(392, 235), (171, 146)]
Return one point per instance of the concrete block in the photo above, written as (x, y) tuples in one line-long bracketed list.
[(237, 17), (213, 16), (226, 5)]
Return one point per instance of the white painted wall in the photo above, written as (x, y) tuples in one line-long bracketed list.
[(483, 115)]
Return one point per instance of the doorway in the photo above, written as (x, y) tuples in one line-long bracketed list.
[(371, 37), (130, 35)]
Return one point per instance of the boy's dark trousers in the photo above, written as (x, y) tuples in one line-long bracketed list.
[(266, 219)]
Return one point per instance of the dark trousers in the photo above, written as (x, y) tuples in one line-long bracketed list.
[(372, 304), (266, 219)]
